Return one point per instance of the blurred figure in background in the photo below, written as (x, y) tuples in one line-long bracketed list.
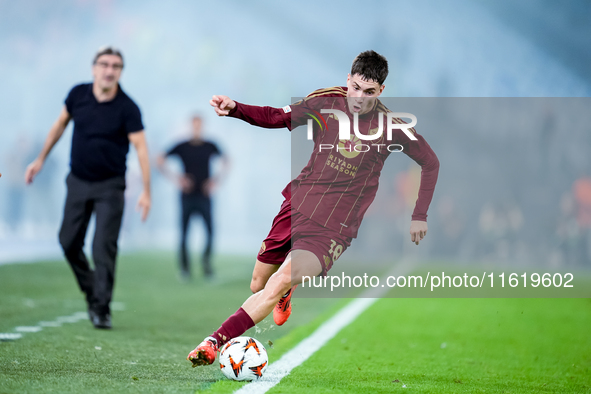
[(453, 226), (568, 233), (500, 224), (196, 185), (106, 120), (582, 193)]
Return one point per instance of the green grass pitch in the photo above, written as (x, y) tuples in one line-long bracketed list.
[(456, 346), (397, 345)]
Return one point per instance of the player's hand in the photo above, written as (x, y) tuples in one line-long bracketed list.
[(143, 205), (32, 170), (222, 105), (418, 230)]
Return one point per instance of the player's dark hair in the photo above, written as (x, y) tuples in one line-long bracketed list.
[(108, 50), (371, 66)]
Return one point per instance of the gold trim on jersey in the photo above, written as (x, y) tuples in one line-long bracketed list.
[(382, 108), (332, 90)]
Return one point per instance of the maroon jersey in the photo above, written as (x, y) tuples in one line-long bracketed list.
[(340, 181)]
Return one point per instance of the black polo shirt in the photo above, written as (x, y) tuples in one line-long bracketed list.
[(195, 156), (100, 140)]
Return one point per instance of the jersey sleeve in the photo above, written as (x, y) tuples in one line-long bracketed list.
[(423, 155), (133, 119), (290, 116), (267, 117), (306, 109)]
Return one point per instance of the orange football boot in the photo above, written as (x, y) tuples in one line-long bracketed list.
[(282, 310), (205, 353)]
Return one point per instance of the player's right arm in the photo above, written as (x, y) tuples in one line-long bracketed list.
[(54, 135), (267, 117), (290, 116)]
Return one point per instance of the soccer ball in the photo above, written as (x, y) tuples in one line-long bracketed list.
[(243, 358)]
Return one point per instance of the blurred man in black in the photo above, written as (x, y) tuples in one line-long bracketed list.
[(106, 120), (196, 185)]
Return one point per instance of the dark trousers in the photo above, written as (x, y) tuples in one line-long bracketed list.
[(196, 204), (106, 200)]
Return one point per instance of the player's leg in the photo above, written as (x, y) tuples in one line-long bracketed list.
[(325, 244), (109, 203), (274, 249), (299, 263), (261, 274), (77, 212), (272, 254)]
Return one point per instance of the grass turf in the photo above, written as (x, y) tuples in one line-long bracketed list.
[(411, 345), (145, 352), (455, 346)]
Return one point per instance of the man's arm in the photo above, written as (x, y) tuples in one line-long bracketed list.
[(184, 183), (138, 139), (212, 183), (53, 137), (423, 155)]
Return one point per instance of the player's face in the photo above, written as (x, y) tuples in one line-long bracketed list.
[(362, 93), (107, 71)]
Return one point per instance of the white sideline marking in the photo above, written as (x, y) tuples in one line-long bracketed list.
[(28, 329), (50, 324), (73, 318), (296, 356), (10, 336)]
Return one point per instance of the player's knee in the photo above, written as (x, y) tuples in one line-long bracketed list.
[(256, 284)]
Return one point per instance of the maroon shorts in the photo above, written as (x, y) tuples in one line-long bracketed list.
[(293, 231)]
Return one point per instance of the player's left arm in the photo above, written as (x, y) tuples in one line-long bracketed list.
[(138, 139), (423, 155)]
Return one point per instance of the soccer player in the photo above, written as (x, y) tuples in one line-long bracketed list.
[(196, 186), (325, 204), (106, 120)]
